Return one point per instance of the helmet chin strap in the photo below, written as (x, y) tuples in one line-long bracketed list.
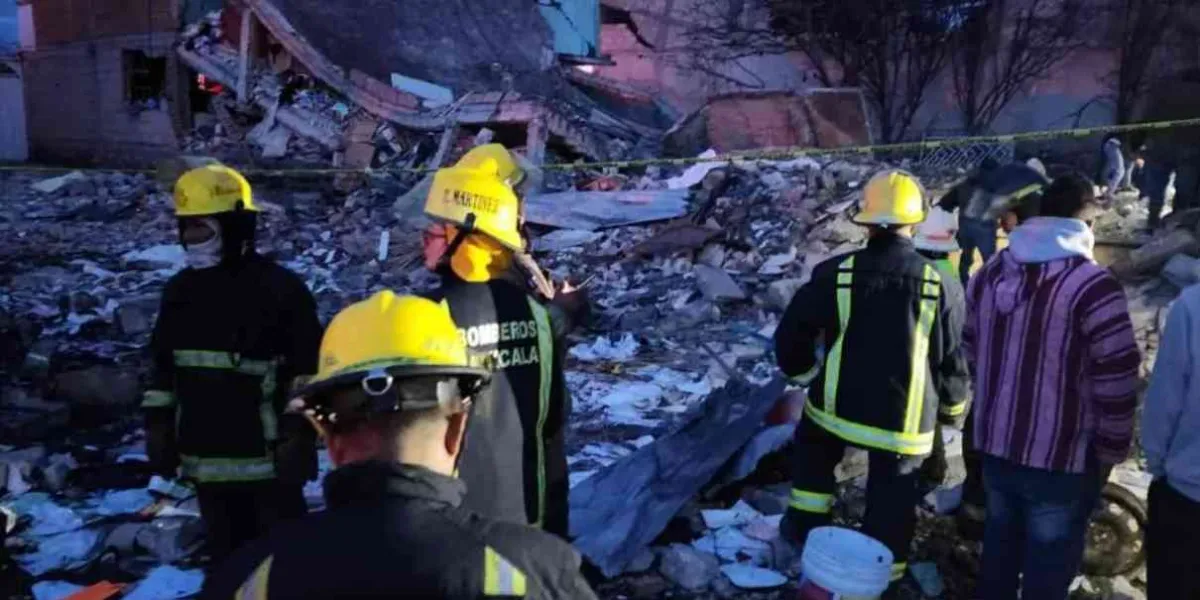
[(467, 228)]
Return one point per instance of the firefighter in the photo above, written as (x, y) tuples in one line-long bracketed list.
[(392, 400), (892, 370), (514, 462), (234, 331)]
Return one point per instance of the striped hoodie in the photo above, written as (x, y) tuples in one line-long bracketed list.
[(1052, 352)]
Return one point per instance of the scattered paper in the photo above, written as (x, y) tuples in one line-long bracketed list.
[(628, 403), (749, 577), (605, 349)]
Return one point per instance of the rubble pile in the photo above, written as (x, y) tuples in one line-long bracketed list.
[(683, 308), (326, 129)]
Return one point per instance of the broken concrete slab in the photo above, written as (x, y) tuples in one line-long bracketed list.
[(689, 568), (619, 510), (54, 184), (1159, 250), (716, 284), (599, 210)]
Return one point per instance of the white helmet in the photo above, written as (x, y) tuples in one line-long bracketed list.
[(938, 232)]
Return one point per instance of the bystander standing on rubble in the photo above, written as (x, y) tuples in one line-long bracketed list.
[(973, 231), (1171, 440), (393, 400), (1113, 171), (876, 334), (1051, 345), (234, 330), (1155, 177), (515, 461)]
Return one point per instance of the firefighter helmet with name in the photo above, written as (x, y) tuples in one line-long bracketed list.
[(477, 195), (212, 190), (892, 197)]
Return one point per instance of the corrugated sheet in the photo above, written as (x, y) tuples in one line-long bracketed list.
[(575, 24)]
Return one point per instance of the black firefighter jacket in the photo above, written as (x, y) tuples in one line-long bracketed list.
[(876, 334), (398, 531), (514, 462), (226, 346)]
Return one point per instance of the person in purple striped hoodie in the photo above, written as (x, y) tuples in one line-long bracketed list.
[(1055, 367)]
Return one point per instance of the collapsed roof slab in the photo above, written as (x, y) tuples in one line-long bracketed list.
[(403, 108)]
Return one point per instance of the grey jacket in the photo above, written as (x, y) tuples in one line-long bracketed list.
[(1171, 416)]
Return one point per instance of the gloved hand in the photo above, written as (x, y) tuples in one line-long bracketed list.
[(295, 450), (161, 447), (573, 301)]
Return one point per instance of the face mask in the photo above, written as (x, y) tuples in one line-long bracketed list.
[(206, 254)]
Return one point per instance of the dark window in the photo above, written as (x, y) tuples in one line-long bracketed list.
[(145, 77)]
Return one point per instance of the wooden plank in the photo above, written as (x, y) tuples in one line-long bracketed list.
[(244, 53)]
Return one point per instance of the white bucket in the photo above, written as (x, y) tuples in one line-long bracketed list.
[(843, 564)]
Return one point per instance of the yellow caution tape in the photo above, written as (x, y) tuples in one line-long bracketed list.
[(748, 155)]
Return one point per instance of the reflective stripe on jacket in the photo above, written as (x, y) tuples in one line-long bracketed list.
[(514, 462), (892, 326)]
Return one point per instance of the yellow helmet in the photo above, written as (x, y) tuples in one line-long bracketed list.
[(477, 195), (892, 197), (386, 337), (210, 190)]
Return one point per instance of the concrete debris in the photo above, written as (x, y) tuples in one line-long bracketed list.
[(748, 577), (600, 210), (689, 568), (712, 255), (1158, 251), (781, 292), (605, 349), (695, 173), (740, 514), (716, 284), (54, 184)]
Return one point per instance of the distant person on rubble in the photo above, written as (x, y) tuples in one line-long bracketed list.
[(1113, 171), (393, 400), (1171, 440), (1055, 364), (234, 331), (875, 337), (983, 200), (515, 460)]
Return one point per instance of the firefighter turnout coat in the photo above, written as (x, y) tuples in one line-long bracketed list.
[(398, 531), (514, 462), (875, 335), (226, 346)]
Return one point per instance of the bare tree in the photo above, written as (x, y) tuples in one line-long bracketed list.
[(1005, 45), (1143, 27), (892, 50)]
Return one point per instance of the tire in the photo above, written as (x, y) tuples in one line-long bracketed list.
[(1115, 539)]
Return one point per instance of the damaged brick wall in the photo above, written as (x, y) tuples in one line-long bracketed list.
[(80, 110), (65, 21)]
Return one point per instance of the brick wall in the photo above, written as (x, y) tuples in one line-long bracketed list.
[(65, 21), (75, 95)]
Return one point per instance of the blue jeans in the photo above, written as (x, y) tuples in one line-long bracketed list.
[(972, 234), (1036, 522)]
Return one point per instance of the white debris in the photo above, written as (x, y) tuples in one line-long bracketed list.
[(124, 502), (54, 590), (731, 544), (162, 256), (166, 583), (695, 173), (605, 349), (749, 577), (385, 238), (740, 514), (629, 403), (49, 186), (563, 239), (778, 263), (170, 488)]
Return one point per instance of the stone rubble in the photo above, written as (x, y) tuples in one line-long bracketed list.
[(84, 259)]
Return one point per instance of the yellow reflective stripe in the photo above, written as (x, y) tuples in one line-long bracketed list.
[(807, 377), (898, 570), (158, 399), (212, 470), (500, 577), (811, 501), (208, 359), (266, 409), (255, 587), (953, 410), (833, 364), (930, 291), (546, 362), (912, 444)]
